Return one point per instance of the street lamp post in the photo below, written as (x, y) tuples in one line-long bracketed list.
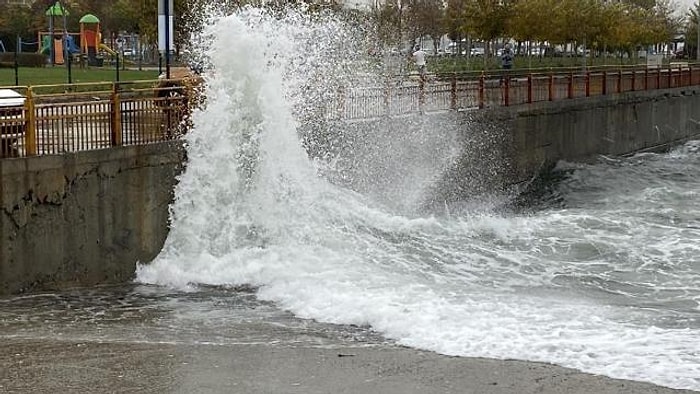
[(697, 17), (66, 50), (165, 33)]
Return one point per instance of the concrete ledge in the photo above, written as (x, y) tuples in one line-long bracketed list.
[(84, 218), (582, 129)]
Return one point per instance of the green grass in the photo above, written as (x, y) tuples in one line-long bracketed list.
[(32, 76)]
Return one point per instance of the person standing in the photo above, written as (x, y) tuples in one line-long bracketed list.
[(419, 58), (507, 57)]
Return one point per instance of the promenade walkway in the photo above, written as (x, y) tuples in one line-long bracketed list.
[(399, 96), (95, 116)]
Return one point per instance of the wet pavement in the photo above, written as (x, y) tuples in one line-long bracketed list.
[(143, 339)]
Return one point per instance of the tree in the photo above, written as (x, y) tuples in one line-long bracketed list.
[(426, 17), (691, 31), (388, 18), (525, 24)]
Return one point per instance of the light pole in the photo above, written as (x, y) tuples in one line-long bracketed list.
[(66, 50), (697, 20), (165, 31)]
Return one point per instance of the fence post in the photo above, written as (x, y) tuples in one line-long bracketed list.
[(570, 88), (690, 71), (646, 79), (588, 83), (605, 82), (116, 116), (619, 81), (341, 102), (30, 124), (385, 100), (529, 88), (634, 80), (453, 92), (670, 76), (551, 86), (506, 91), (481, 91), (421, 95), (658, 77)]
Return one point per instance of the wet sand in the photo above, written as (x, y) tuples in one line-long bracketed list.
[(56, 366)]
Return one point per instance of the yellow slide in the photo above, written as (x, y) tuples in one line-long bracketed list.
[(108, 50)]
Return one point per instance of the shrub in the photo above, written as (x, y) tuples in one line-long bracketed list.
[(24, 59)]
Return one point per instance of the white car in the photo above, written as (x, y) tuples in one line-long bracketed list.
[(477, 52), (12, 122)]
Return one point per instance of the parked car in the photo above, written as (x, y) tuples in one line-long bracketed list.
[(477, 51), (12, 122)]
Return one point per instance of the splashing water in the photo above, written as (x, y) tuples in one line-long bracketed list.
[(607, 281)]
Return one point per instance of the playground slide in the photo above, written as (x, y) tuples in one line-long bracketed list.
[(58, 51), (45, 45), (108, 50)]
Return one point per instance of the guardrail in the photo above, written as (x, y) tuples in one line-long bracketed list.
[(68, 118), (401, 96)]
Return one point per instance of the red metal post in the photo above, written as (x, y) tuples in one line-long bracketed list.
[(605, 82), (619, 81), (646, 79), (588, 83), (481, 91), (421, 95), (506, 91), (386, 100), (453, 93)]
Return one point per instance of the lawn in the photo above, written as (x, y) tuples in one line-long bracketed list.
[(59, 75)]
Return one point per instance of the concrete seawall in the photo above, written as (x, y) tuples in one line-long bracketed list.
[(87, 218), (84, 218), (583, 129)]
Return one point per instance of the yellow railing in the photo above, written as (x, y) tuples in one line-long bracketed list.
[(68, 118)]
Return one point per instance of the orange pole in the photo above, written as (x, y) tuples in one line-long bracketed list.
[(30, 129)]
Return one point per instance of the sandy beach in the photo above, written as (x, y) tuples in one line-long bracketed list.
[(56, 366)]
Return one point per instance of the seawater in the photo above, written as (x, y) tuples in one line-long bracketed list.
[(602, 274)]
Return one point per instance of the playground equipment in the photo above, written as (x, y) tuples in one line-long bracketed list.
[(62, 44), (55, 48), (91, 39)]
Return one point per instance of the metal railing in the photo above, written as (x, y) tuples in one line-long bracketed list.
[(67, 118), (441, 92)]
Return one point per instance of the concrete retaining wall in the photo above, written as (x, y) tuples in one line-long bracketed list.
[(87, 218), (84, 218), (583, 129)]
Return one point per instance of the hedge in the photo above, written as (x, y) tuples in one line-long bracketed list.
[(24, 59)]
